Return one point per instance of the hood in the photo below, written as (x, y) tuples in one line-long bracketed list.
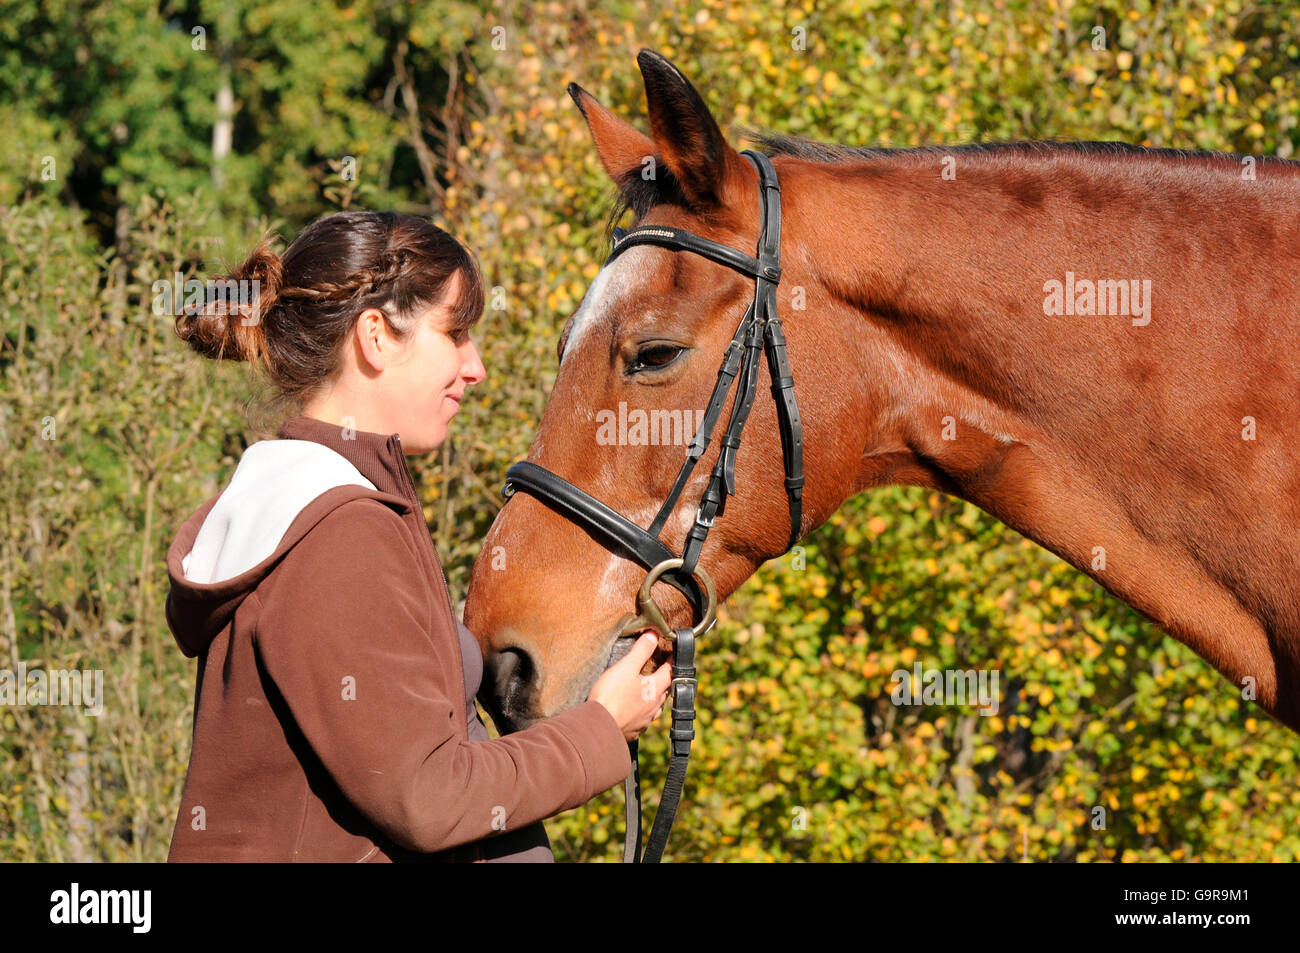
[(278, 492)]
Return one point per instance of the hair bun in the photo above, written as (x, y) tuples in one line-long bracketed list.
[(228, 324)]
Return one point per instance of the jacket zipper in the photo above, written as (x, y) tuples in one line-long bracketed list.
[(475, 849), (415, 495), (433, 553)]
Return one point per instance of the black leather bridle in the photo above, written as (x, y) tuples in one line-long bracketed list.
[(759, 332)]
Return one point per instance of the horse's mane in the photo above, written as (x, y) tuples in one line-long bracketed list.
[(779, 144), (641, 195)]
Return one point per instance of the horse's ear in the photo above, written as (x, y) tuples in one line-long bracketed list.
[(623, 150), (685, 133)]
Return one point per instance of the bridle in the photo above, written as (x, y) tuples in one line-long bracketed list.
[(759, 332)]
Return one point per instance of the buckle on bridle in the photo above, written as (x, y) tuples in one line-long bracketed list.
[(699, 518), (652, 617)]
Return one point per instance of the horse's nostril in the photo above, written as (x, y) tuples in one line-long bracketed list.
[(512, 673)]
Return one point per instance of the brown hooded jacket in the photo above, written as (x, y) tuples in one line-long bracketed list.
[(334, 715)]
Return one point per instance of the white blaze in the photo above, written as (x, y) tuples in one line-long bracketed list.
[(616, 278)]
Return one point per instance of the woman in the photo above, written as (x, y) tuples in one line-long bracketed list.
[(334, 712)]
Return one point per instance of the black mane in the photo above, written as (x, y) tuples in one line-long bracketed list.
[(640, 195), (779, 144)]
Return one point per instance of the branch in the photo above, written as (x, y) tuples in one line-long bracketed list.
[(412, 103)]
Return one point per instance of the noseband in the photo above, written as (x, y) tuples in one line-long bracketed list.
[(759, 332)]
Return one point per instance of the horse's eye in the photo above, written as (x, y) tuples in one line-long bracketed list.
[(655, 356)]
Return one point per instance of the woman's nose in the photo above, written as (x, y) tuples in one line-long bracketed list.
[(474, 369)]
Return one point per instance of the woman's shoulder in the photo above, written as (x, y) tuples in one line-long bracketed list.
[(357, 568), (355, 525)]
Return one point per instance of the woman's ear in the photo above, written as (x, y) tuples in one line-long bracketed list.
[(373, 339)]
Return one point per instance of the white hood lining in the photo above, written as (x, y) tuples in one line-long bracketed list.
[(274, 482)]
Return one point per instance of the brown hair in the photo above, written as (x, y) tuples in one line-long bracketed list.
[(305, 305)]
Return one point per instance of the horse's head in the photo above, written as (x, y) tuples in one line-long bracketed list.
[(638, 361)]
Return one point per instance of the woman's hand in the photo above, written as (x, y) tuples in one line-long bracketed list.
[(635, 700)]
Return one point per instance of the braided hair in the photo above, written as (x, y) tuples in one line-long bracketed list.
[(304, 306)]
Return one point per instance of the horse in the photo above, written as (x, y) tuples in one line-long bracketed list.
[(1095, 343)]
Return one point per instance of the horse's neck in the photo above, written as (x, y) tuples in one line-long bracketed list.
[(1116, 440), (976, 293)]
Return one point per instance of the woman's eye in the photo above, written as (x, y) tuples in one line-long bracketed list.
[(655, 357)]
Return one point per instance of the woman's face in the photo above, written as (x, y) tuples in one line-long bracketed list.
[(430, 378)]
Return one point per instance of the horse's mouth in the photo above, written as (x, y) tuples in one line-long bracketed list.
[(509, 677), (624, 642)]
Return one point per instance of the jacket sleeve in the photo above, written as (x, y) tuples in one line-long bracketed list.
[(344, 636)]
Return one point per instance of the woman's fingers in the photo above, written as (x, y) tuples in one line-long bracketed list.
[(663, 677), (640, 652)]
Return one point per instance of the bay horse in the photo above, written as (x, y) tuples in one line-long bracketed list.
[(1096, 343)]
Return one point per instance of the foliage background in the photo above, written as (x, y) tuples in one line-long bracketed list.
[(113, 178)]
